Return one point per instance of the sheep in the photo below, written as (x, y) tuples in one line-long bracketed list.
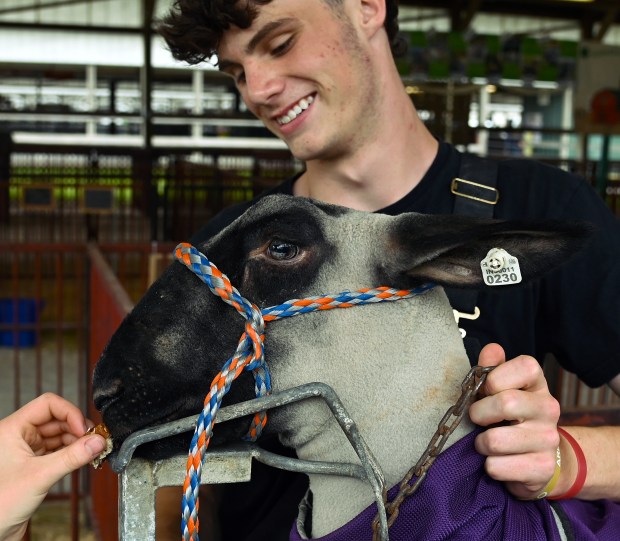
[(396, 366)]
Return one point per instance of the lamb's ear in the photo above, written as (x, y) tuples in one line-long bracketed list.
[(448, 249)]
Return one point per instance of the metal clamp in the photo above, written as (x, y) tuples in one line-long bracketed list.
[(464, 315), (491, 200)]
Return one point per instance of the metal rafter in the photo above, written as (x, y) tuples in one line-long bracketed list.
[(610, 17), (459, 10), (37, 7), (146, 78), (599, 14), (462, 13), (73, 27), (472, 9)]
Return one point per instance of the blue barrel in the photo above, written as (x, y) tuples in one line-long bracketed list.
[(19, 312)]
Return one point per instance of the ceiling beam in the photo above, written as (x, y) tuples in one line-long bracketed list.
[(608, 20), (148, 9), (553, 9), (587, 28), (462, 12), (73, 27), (467, 17), (146, 73), (38, 6)]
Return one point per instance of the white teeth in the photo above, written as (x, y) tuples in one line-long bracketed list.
[(296, 110)]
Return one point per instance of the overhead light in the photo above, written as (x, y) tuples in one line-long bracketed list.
[(576, 0)]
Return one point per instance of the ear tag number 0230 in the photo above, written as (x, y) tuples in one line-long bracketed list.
[(499, 268)]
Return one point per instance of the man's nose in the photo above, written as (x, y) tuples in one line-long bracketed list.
[(262, 84)]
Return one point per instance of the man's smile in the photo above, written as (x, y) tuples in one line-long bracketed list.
[(295, 110)]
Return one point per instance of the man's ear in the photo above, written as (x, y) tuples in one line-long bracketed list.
[(372, 15)]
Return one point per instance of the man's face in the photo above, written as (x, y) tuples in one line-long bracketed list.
[(302, 69)]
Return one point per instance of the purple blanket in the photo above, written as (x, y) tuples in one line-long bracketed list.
[(458, 501)]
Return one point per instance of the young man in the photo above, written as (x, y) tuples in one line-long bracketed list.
[(321, 76)]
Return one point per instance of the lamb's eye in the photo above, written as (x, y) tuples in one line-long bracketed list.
[(282, 251)]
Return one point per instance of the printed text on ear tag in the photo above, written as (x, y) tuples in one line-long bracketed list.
[(499, 268)]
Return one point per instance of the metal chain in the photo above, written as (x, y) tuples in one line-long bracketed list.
[(469, 389)]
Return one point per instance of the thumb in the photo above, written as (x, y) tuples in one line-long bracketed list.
[(56, 465), (492, 355)]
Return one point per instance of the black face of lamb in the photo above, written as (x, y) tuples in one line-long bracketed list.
[(160, 363)]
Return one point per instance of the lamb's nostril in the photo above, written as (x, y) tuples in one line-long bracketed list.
[(104, 396)]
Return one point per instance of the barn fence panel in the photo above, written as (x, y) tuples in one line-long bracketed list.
[(109, 304), (43, 336), (119, 275), (50, 331), (62, 194)]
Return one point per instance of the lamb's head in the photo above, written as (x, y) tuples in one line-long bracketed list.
[(159, 364)]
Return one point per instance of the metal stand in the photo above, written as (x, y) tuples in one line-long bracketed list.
[(139, 479)]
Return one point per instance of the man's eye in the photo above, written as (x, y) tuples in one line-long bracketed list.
[(283, 47), (282, 251)]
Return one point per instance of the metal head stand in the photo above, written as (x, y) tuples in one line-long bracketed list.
[(139, 479)]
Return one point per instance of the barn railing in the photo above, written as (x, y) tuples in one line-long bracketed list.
[(127, 194), (42, 343), (45, 311), (109, 304)]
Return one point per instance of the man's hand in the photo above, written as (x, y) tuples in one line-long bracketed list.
[(40, 444), (521, 452)]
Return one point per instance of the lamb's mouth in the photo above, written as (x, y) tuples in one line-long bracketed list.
[(296, 110), (164, 447), (120, 431)]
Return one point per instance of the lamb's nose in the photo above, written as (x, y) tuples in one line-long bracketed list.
[(103, 396)]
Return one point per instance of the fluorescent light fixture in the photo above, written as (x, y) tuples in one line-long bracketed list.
[(552, 85)]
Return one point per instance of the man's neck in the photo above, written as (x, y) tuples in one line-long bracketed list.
[(379, 173)]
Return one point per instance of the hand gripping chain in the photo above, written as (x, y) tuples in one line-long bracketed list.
[(470, 386), (249, 355)]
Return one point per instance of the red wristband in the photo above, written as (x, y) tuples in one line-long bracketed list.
[(582, 469)]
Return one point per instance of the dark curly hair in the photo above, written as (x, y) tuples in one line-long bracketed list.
[(193, 29)]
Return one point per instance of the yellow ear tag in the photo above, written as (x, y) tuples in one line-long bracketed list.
[(499, 268)]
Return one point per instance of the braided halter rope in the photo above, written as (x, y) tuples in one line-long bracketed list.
[(249, 355)]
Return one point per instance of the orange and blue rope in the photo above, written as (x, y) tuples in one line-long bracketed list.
[(250, 355)]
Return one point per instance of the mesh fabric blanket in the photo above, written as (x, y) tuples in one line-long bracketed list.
[(458, 501)]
